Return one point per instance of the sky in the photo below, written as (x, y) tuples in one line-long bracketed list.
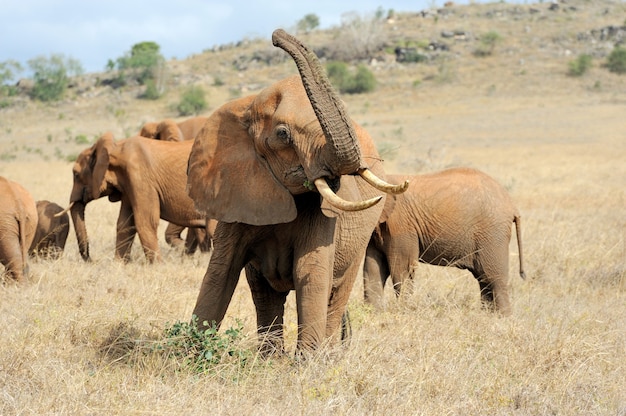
[(94, 31)]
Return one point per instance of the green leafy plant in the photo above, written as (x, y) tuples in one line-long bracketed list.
[(202, 349), (579, 66), (192, 101), (488, 43), (8, 72), (360, 81), (308, 23), (616, 61), (51, 76)]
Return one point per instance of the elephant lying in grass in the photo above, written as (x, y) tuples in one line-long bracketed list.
[(277, 169), (457, 217), (18, 221), (53, 226)]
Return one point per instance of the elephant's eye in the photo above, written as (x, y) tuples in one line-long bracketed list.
[(282, 133)]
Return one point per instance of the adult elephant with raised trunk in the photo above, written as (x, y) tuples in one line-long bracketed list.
[(148, 177), (278, 170)]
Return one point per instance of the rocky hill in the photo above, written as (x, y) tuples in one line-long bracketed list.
[(528, 54)]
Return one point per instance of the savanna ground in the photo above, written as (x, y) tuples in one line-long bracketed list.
[(77, 336)]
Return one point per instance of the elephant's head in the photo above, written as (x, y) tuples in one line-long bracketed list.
[(92, 180), (255, 153), (166, 130)]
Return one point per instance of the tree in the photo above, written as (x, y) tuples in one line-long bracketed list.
[(144, 62), (308, 23), (51, 76), (8, 71)]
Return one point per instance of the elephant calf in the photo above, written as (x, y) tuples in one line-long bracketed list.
[(18, 219), (53, 226), (458, 217)]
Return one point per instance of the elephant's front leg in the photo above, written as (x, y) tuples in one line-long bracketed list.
[(125, 232), (222, 275), (312, 277), (270, 310), (147, 224)]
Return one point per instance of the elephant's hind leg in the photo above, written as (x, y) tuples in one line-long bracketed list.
[(11, 257), (494, 287)]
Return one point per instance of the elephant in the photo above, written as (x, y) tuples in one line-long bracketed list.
[(148, 177), (170, 130), (457, 217), (18, 221), (53, 226), (295, 186), (201, 238)]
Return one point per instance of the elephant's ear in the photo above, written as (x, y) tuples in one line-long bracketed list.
[(168, 131), (227, 180), (149, 130), (100, 163)]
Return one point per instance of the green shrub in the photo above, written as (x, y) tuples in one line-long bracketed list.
[(202, 349), (579, 66), (363, 80), (307, 23), (8, 72), (151, 92), (192, 101), (488, 43), (616, 61), (51, 76), (144, 64)]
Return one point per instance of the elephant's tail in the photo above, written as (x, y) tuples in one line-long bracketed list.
[(518, 231)]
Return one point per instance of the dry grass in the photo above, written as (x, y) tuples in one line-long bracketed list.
[(77, 336)]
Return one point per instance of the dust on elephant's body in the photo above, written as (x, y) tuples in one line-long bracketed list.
[(255, 167), (18, 220), (147, 176), (53, 227), (458, 217)]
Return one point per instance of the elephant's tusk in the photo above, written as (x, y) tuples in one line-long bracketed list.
[(59, 214), (380, 184), (341, 203)]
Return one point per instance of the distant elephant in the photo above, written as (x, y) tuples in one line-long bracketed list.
[(18, 221), (277, 169), (458, 217), (170, 130), (148, 176), (53, 226)]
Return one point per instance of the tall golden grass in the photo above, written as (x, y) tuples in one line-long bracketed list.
[(77, 337)]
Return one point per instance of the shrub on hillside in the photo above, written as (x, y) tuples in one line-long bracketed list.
[(362, 80), (616, 61), (192, 101), (358, 37), (579, 66), (488, 43), (51, 76)]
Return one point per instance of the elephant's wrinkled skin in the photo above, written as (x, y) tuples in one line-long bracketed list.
[(18, 220), (53, 226), (457, 217), (253, 167), (172, 131), (149, 178)]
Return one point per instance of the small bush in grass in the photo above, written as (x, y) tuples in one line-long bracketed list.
[(488, 43), (202, 349), (616, 61), (192, 101), (362, 80), (579, 66)]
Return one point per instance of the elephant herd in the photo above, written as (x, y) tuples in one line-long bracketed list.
[(284, 185)]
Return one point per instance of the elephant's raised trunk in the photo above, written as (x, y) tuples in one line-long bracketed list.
[(328, 108), (335, 123), (77, 212)]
